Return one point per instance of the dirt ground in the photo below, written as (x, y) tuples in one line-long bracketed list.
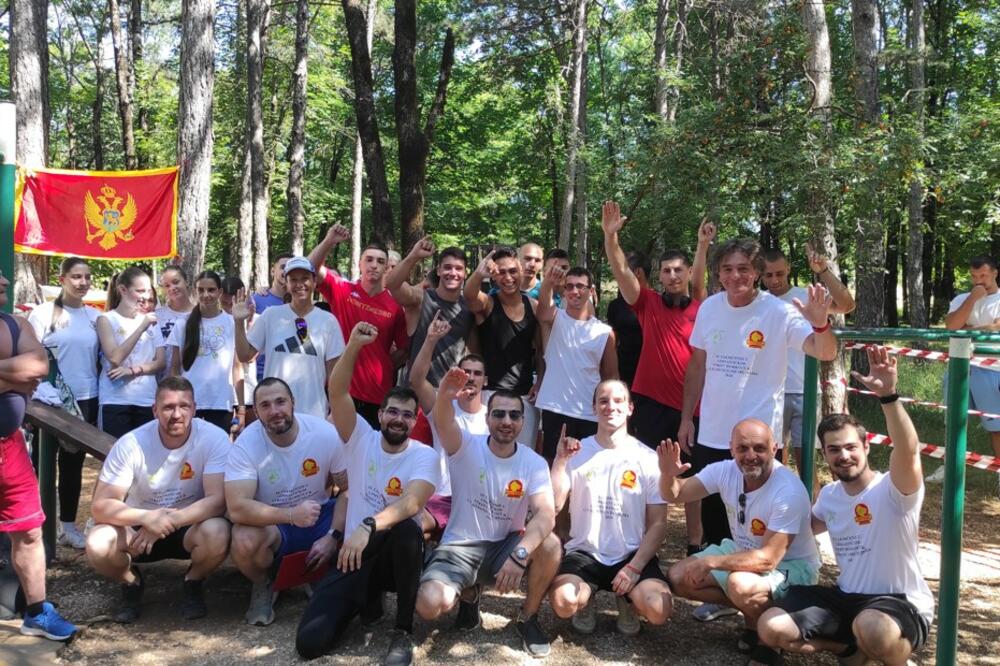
[(162, 637)]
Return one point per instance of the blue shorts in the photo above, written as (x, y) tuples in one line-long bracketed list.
[(294, 539)]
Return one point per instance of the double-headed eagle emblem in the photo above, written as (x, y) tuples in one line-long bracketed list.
[(105, 220)]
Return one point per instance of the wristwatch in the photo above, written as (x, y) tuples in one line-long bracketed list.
[(369, 522), (521, 553), (337, 535)]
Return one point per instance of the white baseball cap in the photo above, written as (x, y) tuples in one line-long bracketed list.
[(298, 263)]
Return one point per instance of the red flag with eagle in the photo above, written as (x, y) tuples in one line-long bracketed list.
[(97, 214)]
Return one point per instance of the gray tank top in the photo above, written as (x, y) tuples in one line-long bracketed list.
[(451, 347)]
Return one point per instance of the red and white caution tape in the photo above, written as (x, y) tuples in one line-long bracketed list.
[(927, 354), (920, 403), (979, 461)]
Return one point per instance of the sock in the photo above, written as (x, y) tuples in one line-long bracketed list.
[(69, 526), (34, 609)]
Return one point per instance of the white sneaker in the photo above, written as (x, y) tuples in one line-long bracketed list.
[(709, 612), (937, 476), (627, 622), (585, 620), (70, 536)]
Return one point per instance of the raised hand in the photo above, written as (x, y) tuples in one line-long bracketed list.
[(668, 456), (816, 310), (882, 374), (817, 261), (363, 333), (338, 233), (487, 266), (706, 232), (567, 446), (453, 381), (438, 328), (423, 248), (611, 218), (243, 306), (554, 274)]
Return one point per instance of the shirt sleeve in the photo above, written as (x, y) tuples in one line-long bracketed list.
[(641, 303), (901, 503), (338, 462), (218, 453), (785, 515), (819, 508), (463, 448), (797, 328), (38, 325), (326, 286), (651, 473), (239, 466), (427, 466), (362, 430), (541, 482), (334, 339), (119, 467), (698, 333), (711, 477), (176, 337), (956, 302), (399, 335), (257, 334)]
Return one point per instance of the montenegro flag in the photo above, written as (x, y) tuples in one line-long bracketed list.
[(97, 214)]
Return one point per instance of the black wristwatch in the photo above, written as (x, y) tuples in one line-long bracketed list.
[(337, 535), (369, 522)]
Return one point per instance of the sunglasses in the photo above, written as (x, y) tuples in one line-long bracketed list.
[(500, 414), (742, 516), (301, 329), (574, 286)]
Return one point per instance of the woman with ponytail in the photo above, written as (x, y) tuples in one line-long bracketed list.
[(67, 329), (133, 354), (204, 352), (176, 307)]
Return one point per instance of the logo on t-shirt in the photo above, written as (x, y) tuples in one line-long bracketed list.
[(862, 514), (186, 472), (515, 489), (757, 527), (394, 487), (755, 340), (309, 467), (629, 479)]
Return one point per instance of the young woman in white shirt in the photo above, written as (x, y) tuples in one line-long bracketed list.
[(67, 329), (133, 354), (232, 287), (176, 305), (203, 349)]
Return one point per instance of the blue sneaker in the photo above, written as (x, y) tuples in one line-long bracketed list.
[(49, 623)]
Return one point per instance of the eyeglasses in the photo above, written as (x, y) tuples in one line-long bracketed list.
[(394, 413), (500, 414), (573, 286), (301, 329), (742, 499)]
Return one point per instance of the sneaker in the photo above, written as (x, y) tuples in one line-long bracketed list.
[(694, 549), (709, 612), (261, 611), (400, 649), (852, 656), (535, 642), (585, 620), (468, 617), (937, 476), (128, 610), (747, 641), (194, 606), (49, 623), (71, 537), (627, 623)]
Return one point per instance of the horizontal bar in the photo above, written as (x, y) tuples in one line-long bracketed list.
[(932, 334)]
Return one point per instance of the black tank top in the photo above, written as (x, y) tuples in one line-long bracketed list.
[(509, 348), (12, 404)]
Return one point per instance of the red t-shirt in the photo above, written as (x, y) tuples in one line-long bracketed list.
[(374, 373), (666, 349)]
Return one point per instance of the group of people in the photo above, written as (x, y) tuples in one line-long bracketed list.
[(432, 438)]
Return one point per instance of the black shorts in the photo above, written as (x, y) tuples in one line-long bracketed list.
[(170, 547), (552, 423), (827, 613), (702, 456), (652, 422), (585, 566)]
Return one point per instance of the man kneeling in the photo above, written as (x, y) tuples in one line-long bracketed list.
[(495, 483), (881, 608), (617, 520), (160, 496), (768, 510)]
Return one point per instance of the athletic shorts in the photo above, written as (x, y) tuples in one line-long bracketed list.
[(439, 506), (586, 567), (984, 393), (652, 422), (463, 564), (779, 579), (294, 539), (827, 613), (170, 547), (552, 423), (20, 504), (791, 426)]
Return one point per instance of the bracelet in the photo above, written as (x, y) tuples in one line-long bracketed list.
[(633, 569), (822, 329), (290, 520), (133, 371), (825, 270), (889, 399), (523, 566)]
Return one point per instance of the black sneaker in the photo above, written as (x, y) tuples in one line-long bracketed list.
[(194, 606), (748, 640), (400, 649), (535, 642), (128, 611), (468, 617)]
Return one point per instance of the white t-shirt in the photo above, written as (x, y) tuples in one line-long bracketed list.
[(780, 505), (609, 492), (167, 319), (212, 370), (286, 476), (378, 478), (985, 311), (160, 478), (746, 358), (573, 356), (473, 423), (74, 343), (489, 495), (302, 365), (794, 382), (141, 390), (875, 536)]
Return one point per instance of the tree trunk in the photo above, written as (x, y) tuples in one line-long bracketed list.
[(573, 134), (359, 161), (915, 228), (581, 179), (364, 109), (891, 282), (29, 73), (818, 72), (297, 146), (660, 57), (194, 131), (257, 11), (244, 216), (135, 62), (121, 72)]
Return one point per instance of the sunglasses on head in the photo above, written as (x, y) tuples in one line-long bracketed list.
[(514, 414), (742, 516), (301, 329)]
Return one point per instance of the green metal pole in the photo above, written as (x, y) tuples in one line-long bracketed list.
[(48, 444), (953, 500), (8, 176), (810, 399)]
